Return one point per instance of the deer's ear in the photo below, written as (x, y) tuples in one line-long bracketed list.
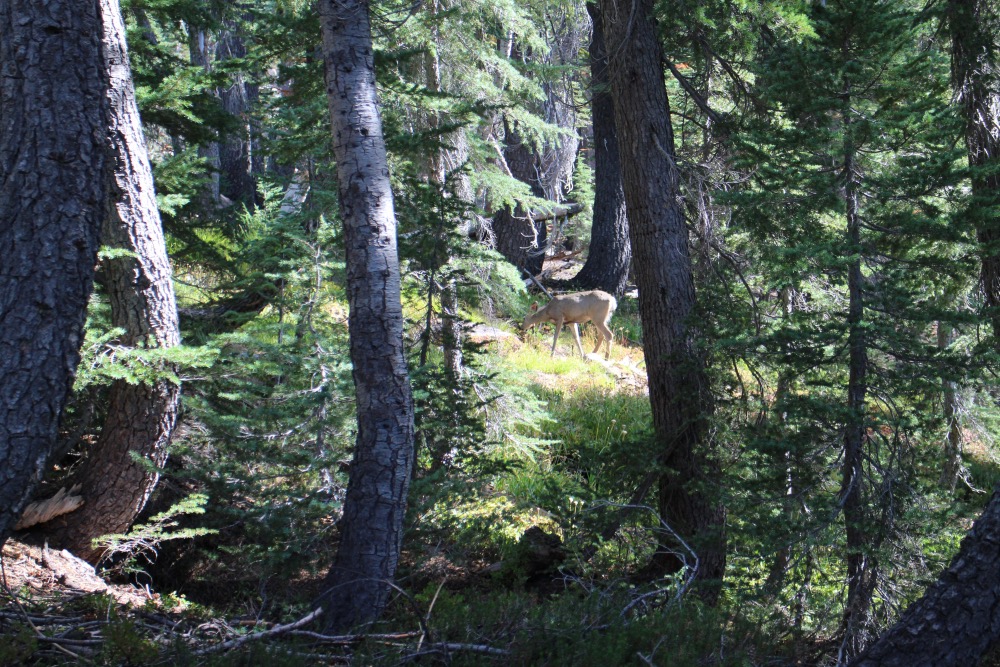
[(534, 307)]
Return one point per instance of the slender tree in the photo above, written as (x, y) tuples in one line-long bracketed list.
[(115, 476), (371, 529), (678, 386), (956, 621), (856, 163), (53, 116)]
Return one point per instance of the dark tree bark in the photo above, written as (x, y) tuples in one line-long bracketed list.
[(198, 48), (610, 256), (678, 386), (239, 159), (548, 168), (976, 78), (862, 565), (958, 619), (358, 585), (141, 417), (53, 189), (519, 238)]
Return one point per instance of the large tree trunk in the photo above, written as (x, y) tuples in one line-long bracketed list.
[(958, 619), (678, 386), (141, 417), (521, 239), (53, 189), (976, 79), (371, 529), (610, 256)]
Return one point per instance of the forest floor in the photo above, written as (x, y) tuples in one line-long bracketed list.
[(39, 572)]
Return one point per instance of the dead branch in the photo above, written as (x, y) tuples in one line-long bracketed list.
[(276, 630)]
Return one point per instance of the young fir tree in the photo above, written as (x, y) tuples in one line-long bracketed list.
[(855, 251)]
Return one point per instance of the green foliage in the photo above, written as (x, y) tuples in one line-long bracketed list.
[(125, 643), (143, 540), (19, 643), (521, 439), (581, 628)]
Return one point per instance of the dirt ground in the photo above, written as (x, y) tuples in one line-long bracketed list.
[(33, 571)]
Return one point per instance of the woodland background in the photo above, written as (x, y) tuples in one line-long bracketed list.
[(794, 202)]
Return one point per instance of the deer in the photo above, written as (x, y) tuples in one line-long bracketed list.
[(593, 306)]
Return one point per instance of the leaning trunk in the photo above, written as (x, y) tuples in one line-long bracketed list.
[(957, 620), (116, 476), (53, 116), (678, 386), (371, 529)]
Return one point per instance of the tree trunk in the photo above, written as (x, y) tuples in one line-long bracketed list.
[(976, 79), (862, 566), (239, 162), (958, 619), (951, 401), (371, 530), (53, 115), (610, 256), (519, 238), (141, 417), (199, 54), (678, 386)]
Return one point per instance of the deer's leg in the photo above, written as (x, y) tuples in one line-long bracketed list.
[(606, 335), (576, 335), (559, 326)]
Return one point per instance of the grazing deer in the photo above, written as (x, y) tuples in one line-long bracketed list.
[(594, 306)]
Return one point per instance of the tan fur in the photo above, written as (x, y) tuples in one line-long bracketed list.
[(593, 306)]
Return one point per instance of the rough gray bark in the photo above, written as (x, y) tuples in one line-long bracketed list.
[(678, 386), (141, 417), (52, 201), (358, 585), (610, 256), (957, 620)]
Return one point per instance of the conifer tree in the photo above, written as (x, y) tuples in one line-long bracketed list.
[(53, 161), (141, 415), (678, 385), (854, 173)]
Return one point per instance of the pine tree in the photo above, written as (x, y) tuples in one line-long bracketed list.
[(53, 190), (854, 172)]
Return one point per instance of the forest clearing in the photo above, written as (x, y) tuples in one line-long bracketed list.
[(354, 332)]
